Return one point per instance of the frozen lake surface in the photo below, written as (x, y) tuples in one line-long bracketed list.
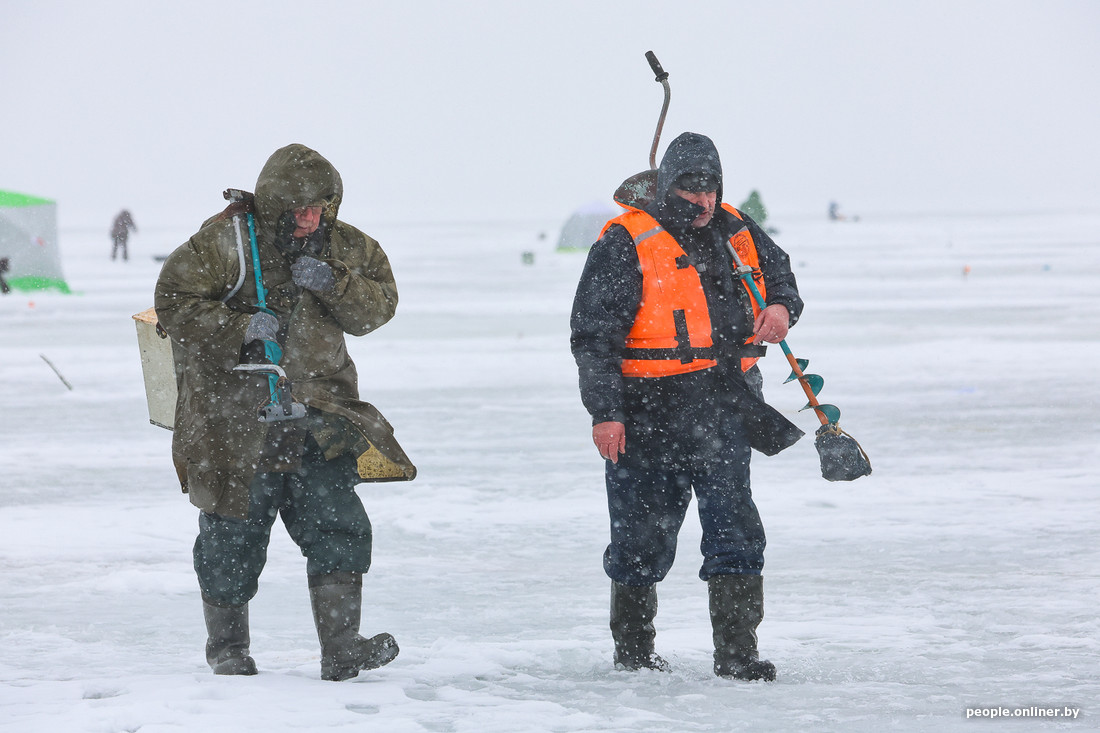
[(962, 574)]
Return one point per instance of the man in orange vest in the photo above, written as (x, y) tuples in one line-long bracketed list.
[(666, 337)]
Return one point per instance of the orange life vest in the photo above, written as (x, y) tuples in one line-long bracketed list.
[(672, 331)]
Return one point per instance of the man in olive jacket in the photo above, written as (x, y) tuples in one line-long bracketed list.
[(321, 278)]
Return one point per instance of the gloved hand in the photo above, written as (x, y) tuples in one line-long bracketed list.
[(261, 327), (313, 274)]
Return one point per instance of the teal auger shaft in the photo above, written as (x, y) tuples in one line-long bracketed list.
[(811, 383), (272, 350)]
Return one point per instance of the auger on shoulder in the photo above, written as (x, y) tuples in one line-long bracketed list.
[(842, 458)]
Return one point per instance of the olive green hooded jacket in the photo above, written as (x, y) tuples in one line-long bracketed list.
[(218, 438)]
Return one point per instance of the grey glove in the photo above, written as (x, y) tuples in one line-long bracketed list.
[(313, 274), (261, 327)]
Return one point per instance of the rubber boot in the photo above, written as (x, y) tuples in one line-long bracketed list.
[(736, 609), (632, 611), (337, 600), (227, 639)]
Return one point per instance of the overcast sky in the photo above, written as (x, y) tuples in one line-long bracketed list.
[(489, 110)]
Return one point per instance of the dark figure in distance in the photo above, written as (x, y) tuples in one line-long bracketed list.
[(120, 233)]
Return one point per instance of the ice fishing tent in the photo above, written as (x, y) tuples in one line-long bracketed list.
[(583, 226), (28, 240), (754, 207)]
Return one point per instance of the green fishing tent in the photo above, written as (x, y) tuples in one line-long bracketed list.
[(28, 241), (754, 207)]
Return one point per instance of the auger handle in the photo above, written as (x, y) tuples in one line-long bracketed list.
[(662, 76), (656, 66), (273, 369)]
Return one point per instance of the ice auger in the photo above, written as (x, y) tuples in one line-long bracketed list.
[(638, 190), (842, 458), (281, 404)]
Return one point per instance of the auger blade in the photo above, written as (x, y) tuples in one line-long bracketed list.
[(831, 412), (815, 382), (802, 364)]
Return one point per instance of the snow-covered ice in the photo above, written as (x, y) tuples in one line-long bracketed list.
[(962, 574)]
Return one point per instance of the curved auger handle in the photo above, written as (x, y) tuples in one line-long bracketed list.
[(662, 76), (656, 66)]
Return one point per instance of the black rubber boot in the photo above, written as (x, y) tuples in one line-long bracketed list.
[(736, 609), (227, 639), (633, 609), (337, 600)]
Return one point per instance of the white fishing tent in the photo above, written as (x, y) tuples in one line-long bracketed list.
[(582, 228), (28, 241)]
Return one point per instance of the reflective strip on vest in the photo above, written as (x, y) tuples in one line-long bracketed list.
[(746, 250)]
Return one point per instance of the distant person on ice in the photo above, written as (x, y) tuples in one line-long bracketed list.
[(666, 337), (323, 278), (120, 233)]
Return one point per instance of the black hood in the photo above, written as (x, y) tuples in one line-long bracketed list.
[(688, 153)]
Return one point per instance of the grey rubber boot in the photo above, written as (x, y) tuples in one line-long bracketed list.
[(227, 639), (736, 609), (337, 600), (633, 609)]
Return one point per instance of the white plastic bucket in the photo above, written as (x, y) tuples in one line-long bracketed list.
[(158, 369)]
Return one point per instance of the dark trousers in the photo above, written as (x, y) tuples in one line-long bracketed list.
[(320, 510), (119, 243), (648, 494)]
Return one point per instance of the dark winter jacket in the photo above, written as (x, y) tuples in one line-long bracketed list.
[(611, 285), (218, 441), (120, 229)]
